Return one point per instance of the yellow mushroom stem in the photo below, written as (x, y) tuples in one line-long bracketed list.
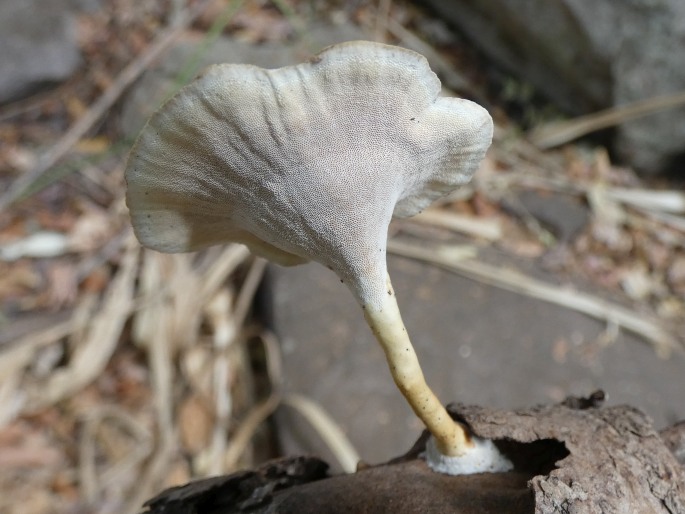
[(451, 437)]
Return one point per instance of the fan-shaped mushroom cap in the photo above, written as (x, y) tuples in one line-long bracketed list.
[(307, 162)]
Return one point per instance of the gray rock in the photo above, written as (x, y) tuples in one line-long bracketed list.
[(84, 5), (39, 47), (587, 56), (562, 215), (477, 344)]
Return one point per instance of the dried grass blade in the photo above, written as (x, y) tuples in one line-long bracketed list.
[(150, 282), (238, 443), (225, 328), (241, 438), (490, 229), (516, 282), (20, 353), (676, 222), (11, 397), (229, 259), (150, 478), (91, 482), (662, 201), (330, 432), (558, 133), (93, 353), (96, 111), (162, 379)]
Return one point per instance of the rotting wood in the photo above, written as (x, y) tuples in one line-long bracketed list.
[(571, 457)]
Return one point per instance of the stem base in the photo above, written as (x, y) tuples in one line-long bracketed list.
[(482, 457)]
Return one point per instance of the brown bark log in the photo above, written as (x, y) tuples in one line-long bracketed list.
[(569, 458), (617, 462)]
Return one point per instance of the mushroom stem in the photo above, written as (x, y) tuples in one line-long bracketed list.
[(451, 437)]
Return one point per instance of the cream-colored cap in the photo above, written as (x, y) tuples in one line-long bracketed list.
[(307, 162)]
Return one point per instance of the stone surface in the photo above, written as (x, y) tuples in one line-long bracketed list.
[(38, 41), (587, 56), (477, 344), (563, 216)]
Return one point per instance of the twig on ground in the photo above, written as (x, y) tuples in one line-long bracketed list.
[(248, 290), (646, 199), (557, 133), (241, 438)]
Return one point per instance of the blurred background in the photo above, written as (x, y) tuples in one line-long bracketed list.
[(558, 271)]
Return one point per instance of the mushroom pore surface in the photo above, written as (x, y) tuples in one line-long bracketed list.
[(306, 162)]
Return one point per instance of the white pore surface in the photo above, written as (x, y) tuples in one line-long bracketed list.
[(306, 162), (482, 457)]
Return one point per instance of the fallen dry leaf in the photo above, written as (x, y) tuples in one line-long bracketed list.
[(62, 284), (91, 230), (195, 422), (30, 450), (637, 282)]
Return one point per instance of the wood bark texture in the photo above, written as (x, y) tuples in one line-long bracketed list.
[(575, 457)]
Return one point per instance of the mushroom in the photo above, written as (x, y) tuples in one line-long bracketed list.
[(310, 163)]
